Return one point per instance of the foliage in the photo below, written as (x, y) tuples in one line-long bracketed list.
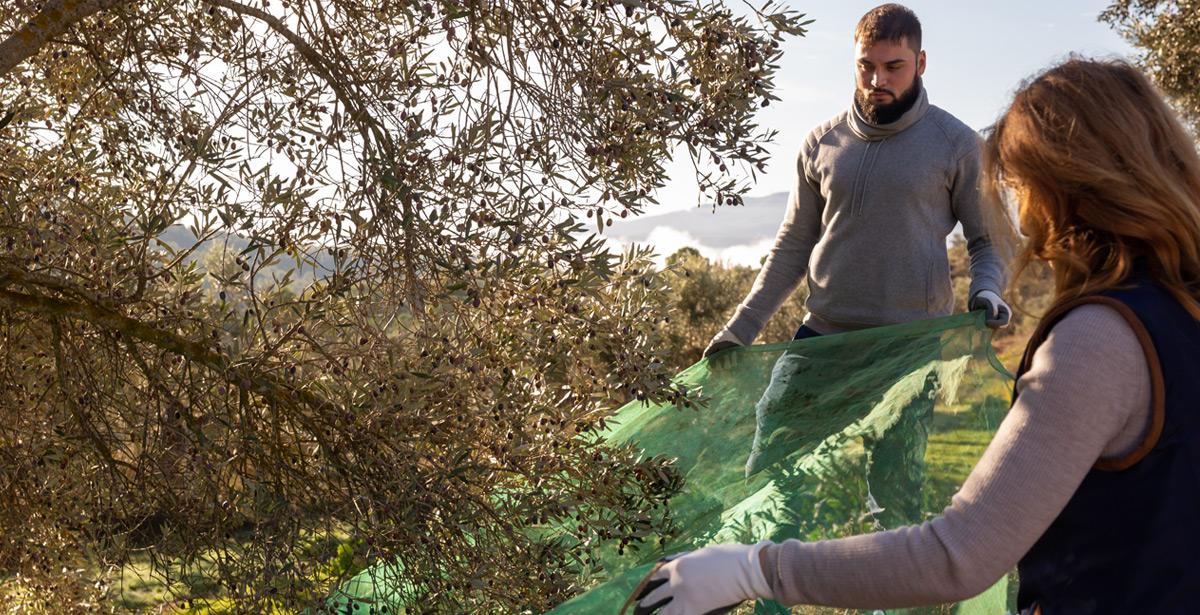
[(417, 338), (1168, 34), (1029, 296), (704, 295)]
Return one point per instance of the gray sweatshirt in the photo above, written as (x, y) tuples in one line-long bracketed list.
[(867, 222)]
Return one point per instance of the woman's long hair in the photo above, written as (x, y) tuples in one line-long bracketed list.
[(1106, 177)]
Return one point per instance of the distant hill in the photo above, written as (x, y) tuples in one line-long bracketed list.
[(732, 235), (735, 234), (179, 237), (726, 227)]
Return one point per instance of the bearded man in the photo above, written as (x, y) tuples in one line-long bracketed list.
[(879, 187)]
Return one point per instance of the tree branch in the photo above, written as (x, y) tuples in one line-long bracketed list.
[(108, 318), (242, 377), (372, 133), (322, 65), (60, 364), (55, 18)]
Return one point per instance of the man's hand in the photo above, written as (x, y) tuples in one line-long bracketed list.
[(723, 340), (710, 581), (998, 312)]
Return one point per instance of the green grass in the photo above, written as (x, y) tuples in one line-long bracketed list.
[(198, 592)]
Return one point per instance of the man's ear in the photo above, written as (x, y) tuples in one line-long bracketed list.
[(921, 63)]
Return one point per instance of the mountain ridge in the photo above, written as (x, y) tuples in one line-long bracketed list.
[(723, 228)]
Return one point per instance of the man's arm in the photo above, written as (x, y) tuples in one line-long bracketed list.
[(787, 261), (981, 218)]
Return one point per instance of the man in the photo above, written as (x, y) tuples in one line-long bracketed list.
[(879, 188)]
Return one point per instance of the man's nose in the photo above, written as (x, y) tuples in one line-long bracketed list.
[(878, 79)]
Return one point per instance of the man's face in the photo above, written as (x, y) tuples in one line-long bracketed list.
[(886, 71)]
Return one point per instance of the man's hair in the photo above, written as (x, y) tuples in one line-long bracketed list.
[(889, 22)]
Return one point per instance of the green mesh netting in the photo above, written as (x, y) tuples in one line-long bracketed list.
[(815, 439)]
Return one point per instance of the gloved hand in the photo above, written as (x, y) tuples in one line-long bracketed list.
[(710, 581), (998, 312), (723, 340)]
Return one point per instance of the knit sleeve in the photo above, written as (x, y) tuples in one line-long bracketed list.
[(787, 261), (1086, 396), (970, 204)]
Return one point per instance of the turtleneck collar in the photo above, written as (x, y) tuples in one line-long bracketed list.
[(874, 132)]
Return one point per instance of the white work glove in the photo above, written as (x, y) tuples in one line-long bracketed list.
[(998, 312), (710, 581), (722, 340)]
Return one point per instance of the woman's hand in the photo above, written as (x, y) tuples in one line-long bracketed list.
[(710, 581)]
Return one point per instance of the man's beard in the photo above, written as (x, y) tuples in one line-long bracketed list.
[(886, 113)]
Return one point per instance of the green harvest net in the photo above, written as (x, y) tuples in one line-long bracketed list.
[(821, 438)]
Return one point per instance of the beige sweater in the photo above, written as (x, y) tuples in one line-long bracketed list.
[(1085, 396)]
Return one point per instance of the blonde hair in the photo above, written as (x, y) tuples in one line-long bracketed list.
[(1106, 176)]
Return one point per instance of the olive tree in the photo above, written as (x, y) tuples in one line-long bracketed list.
[(1168, 34), (280, 272)]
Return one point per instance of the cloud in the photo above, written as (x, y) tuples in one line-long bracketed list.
[(668, 240)]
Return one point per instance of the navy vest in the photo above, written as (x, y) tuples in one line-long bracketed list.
[(1128, 541)]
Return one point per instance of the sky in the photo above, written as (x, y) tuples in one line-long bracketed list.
[(978, 54)]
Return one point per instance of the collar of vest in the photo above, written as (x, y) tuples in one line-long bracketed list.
[(874, 132)]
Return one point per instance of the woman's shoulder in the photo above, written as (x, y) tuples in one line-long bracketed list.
[(1094, 321), (1089, 342), (1098, 323)]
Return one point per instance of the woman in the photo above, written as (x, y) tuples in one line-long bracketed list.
[(1091, 486)]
